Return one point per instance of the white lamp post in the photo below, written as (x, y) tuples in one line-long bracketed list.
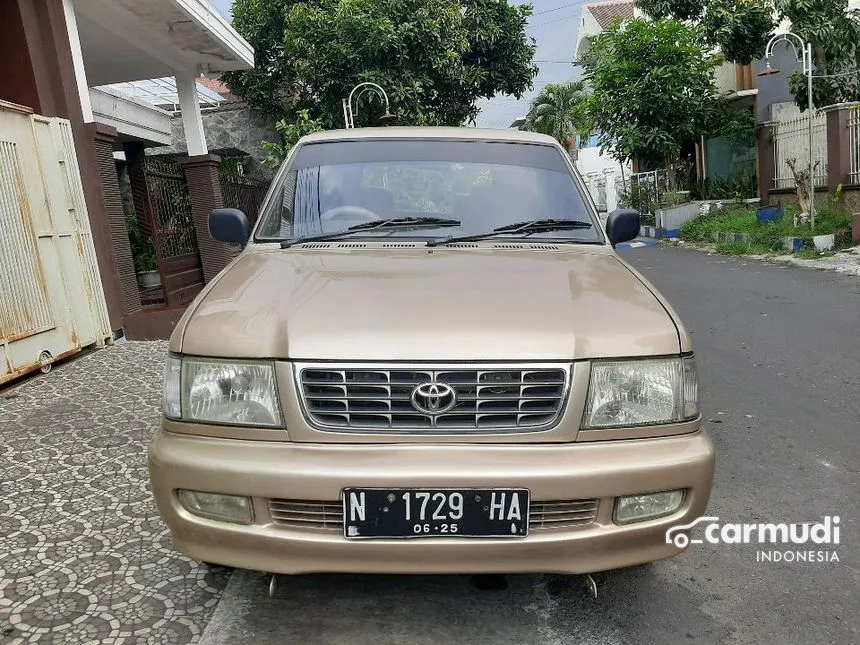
[(803, 54), (348, 112)]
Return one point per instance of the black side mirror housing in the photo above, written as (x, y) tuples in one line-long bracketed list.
[(622, 225), (229, 225)]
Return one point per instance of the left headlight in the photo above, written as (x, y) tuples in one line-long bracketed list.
[(237, 393), (641, 392)]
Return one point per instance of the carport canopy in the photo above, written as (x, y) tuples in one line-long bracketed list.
[(115, 41)]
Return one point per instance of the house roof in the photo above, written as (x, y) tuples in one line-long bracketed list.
[(217, 86), (608, 13)]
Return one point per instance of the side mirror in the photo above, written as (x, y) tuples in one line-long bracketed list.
[(622, 225), (229, 225)]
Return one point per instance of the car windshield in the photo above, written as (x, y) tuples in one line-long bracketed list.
[(332, 186)]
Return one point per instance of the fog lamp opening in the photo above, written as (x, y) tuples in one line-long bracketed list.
[(638, 508), (215, 506)]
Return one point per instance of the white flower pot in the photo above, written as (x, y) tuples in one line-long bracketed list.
[(824, 242), (148, 279)]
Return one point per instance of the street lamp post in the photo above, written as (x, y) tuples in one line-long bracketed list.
[(348, 112), (804, 56)]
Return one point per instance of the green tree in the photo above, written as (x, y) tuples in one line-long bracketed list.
[(741, 28), (652, 89), (290, 133), (559, 110), (434, 58)]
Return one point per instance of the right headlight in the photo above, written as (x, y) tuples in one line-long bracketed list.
[(654, 391), (239, 393)]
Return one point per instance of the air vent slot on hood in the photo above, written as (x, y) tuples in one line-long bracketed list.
[(402, 245), (542, 247)]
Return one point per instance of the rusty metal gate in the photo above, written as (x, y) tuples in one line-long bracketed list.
[(51, 298), (172, 226)]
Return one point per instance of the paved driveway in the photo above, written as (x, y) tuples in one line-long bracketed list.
[(83, 555)]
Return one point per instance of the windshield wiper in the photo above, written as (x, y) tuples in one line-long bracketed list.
[(391, 222), (526, 228)]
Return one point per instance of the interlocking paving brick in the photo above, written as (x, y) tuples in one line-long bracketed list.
[(84, 556)]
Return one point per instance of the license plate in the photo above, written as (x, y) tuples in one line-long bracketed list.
[(423, 513)]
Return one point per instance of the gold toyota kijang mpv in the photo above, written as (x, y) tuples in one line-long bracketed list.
[(428, 358)]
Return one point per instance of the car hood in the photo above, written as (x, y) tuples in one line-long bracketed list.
[(444, 304)]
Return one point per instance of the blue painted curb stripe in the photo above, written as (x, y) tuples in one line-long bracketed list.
[(635, 245)]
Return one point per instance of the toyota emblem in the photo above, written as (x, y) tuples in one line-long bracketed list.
[(433, 398)]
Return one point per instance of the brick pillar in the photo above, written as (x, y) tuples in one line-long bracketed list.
[(134, 158), (103, 137), (204, 185), (764, 153), (838, 148)]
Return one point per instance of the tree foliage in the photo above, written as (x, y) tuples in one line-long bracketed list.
[(834, 32), (652, 89), (741, 28), (291, 132), (559, 110), (434, 58)]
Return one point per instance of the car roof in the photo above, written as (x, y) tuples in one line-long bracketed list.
[(465, 134)]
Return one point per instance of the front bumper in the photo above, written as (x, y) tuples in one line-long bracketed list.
[(266, 470)]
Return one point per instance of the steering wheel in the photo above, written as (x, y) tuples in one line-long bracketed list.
[(348, 213)]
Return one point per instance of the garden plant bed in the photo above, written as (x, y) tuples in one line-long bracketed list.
[(737, 231)]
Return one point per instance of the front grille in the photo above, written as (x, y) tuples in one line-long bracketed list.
[(303, 514), (490, 399), (563, 513), (328, 516)]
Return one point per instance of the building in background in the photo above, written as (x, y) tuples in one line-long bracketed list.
[(56, 57)]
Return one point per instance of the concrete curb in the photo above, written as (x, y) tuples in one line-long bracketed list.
[(791, 244), (657, 233)]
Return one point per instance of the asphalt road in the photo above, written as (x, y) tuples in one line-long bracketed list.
[(779, 359)]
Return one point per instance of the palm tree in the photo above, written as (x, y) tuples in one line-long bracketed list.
[(559, 111)]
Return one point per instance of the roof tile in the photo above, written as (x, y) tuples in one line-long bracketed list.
[(608, 13)]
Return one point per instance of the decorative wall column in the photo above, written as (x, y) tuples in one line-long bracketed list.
[(103, 137), (838, 145), (765, 171), (204, 186)]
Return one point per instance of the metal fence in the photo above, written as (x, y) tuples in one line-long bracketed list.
[(173, 223), (790, 141), (243, 193), (854, 144)]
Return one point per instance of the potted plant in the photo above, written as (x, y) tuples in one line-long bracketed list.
[(143, 254), (146, 265)]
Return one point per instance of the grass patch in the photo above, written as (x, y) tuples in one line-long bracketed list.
[(829, 218), (732, 248)]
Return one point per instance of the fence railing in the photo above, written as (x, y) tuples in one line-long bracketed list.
[(790, 141), (173, 224), (854, 144), (244, 193)]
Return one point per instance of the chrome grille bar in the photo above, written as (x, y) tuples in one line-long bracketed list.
[(378, 398), (328, 516)]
